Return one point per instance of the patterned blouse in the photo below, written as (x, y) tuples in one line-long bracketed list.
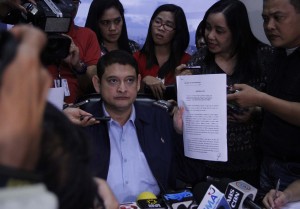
[(242, 138)]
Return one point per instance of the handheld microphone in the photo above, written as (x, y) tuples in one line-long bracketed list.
[(209, 197), (148, 200), (182, 199), (239, 194)]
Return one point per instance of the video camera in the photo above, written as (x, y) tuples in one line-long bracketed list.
[(53, 17)]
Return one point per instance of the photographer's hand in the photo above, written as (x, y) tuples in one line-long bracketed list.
[(7, 5), (23, 92), (80, 117)]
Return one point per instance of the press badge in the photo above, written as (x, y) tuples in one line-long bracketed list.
[(62, 83)]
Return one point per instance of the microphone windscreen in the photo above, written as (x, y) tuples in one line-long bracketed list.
[(146, 195)]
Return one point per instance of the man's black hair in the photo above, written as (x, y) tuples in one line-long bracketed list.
[(113, 57)]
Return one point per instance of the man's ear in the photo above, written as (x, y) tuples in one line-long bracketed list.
[(139, 82), (96, 83)]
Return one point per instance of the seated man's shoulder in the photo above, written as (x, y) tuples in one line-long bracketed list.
[(152, 111)]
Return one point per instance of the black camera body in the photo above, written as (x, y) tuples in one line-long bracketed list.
[(50, 16), (53, 17)]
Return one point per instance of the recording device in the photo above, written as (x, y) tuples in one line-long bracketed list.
[(102, 119), (209, 197), (192, 67), (78, 104), (148, 200), (182, 199), (50, 16), (239, 194), (53, 17), (151, 204), (232, 107), (168, 106)]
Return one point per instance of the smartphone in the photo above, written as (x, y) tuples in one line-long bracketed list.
[(193, 67), (103, 118), (235, 109), (80, 103)]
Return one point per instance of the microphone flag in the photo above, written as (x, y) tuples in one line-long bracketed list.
[(179, 199), (213, 199), (237, 192), (151, 204)]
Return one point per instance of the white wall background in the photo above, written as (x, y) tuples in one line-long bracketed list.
[(138, 14)]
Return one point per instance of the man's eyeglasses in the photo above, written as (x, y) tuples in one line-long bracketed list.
[(108, 23), (168, 26)]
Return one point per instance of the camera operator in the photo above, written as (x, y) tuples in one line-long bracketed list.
[(23, 91), (7, 5), (75, 72)]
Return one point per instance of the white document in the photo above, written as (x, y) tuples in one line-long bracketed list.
[(292, 205), (56, 97), (205, 115)]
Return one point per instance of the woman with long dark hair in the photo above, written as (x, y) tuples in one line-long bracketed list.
[(232, 49), (164, 48), (106, 19)]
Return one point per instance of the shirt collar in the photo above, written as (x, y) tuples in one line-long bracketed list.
[(131, 117)]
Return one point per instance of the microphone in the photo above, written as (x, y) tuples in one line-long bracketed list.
[(209, 197), (182, 199), (148, 200), (239, 194)]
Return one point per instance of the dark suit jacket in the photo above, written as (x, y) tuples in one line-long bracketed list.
[(155, 134)]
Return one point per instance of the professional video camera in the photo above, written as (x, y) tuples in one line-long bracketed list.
[(53, 17)]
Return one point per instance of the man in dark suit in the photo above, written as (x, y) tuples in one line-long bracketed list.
[(134, 150)]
